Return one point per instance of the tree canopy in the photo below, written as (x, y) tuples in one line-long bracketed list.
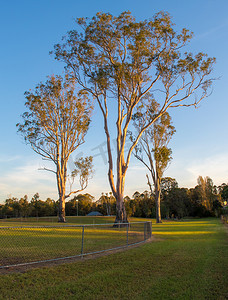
[(152, 150), (55, 125), (133, 66)]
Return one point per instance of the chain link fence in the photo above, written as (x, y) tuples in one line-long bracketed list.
[(23, 245), (224, 219)]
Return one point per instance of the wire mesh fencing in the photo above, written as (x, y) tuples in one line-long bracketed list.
[(224, 219), (23, 245)]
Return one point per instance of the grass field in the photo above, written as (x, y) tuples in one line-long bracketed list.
[(45, 239), (189, 260), (54, 221)]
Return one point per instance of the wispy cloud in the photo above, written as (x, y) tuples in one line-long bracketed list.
[(215, 167), (211, 31), (28, 173), (184, 171), (6, 158), (27, 179)]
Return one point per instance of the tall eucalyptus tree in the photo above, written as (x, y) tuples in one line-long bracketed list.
[(55, 125), (152, 150), (119, 60)]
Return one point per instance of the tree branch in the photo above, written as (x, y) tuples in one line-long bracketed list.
[(45, 169)]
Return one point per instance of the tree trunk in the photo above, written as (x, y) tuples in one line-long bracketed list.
[(62, 216), (158, 202), (61, 184), (121, 215), (61, 189)]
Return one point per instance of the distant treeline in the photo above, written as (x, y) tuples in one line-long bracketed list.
[(204, 200)]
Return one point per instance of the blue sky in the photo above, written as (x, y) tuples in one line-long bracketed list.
[(29, 30)]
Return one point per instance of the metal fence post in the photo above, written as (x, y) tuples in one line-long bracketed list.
[(150, 229), (83, 229), (144, 231), (127, 233)]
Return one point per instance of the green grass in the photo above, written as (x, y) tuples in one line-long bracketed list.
[(54, 221), (69, 220), (189, 261), (32, 243)]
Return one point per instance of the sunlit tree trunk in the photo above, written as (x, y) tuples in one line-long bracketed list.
[(157, 190), (61, 184), (158, 201), (121, 215)]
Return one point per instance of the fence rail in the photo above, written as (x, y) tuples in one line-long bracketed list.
[(22, 245)]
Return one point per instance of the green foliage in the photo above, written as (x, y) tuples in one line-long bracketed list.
[(224, 193), (22, 208), (175, 203), (154, 144), (111, 50), (168, 183), (106, 204), (83, 169), (142, 205), (206, 191), (80, 205), (55, 113)]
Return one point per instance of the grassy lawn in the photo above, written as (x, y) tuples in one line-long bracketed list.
[(189, 260), (31, 241), (54, 221)]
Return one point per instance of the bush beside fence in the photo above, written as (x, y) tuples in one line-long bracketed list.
[(33, 244)]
